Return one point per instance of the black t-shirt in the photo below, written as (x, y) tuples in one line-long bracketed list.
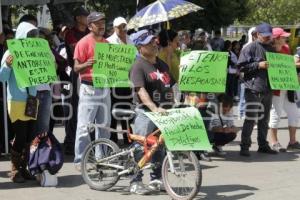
[(156, 79)]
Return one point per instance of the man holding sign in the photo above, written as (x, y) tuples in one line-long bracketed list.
[(94, 103), (152, 84), (252, 62)]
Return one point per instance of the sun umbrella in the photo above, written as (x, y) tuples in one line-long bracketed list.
[(161, 11)]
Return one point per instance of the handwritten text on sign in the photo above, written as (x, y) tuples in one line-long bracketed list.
[(183, 129), (203, 71), (282, 72), (33, 62), (113, 62)]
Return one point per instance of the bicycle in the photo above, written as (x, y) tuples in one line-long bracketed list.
[(103, 162)]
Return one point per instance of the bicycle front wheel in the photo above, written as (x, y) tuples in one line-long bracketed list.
[(185, 180), (95, 173)]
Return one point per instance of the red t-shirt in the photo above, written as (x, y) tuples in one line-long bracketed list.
[(84, 50), (285, 49), (74, 35)]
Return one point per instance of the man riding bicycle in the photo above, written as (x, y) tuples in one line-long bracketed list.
[(152, 83)]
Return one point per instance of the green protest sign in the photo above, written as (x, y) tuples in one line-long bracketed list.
[(203, 71), (113, 62), (33, 62), (282, 72), (183, 129)]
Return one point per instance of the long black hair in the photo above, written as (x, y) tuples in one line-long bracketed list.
[(166, 36)]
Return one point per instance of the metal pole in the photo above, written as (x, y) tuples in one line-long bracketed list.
[(1, 18), (4, 96), (5, 117)]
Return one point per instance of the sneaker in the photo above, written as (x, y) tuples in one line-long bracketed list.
[(245, 152), (295, 146), (77, 167), (203, 157), (218, 151), (156, 185), (277, 147), (139, 188), (266, 149), (236, 98)]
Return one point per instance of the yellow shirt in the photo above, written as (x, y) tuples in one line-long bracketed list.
[(175, 61), (16, 110)]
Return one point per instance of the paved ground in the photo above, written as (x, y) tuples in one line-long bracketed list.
[(259, 177)]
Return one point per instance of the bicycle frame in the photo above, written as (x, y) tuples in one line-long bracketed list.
[(150, 145)]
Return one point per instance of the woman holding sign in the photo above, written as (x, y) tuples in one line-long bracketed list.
[(22, 109), (283, 99)]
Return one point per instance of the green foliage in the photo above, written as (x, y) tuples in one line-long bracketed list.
[(113, 9), (281, 12), (216, 14)]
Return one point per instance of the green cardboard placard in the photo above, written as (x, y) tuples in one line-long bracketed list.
[(33, 61), (113, 62), (282, 72), (183, 129), (203, 71)]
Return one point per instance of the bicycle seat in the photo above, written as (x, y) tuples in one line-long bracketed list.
[(123, 113)]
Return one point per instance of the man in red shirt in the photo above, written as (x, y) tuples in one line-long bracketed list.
[(72, 37), (94, 103)]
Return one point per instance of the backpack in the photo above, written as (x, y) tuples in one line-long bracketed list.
[(45, 154)]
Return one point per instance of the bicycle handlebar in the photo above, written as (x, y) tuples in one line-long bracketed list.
[(90, 126)]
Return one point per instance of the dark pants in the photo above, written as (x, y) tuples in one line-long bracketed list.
[(71, 124), (232, 85), (220, 139), (258, 107), (24, 134)]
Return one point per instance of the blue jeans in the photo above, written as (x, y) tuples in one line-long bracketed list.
[(44, 111), (94, 107), (143, 126)]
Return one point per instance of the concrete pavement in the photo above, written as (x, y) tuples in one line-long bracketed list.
[(259, 177)]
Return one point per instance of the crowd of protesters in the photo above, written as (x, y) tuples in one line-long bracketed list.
[(154, 77)]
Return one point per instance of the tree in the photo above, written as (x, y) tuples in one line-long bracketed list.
[(280, 12), (215, 14), (113, 9)]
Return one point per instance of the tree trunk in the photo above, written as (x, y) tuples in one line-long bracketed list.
[(62, 13)]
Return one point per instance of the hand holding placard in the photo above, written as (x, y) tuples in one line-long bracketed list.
[(9, 60), (203, 71), (32, 60), (112, 64), (183, 129), (282, 72)]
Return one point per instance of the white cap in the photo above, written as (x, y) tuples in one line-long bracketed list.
[(118, 21)]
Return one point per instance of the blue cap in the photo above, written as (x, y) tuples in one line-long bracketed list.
[(142, 37), (264, 29)]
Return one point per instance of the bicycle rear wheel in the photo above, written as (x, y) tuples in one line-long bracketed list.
[(97, 176), (186, 180)]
